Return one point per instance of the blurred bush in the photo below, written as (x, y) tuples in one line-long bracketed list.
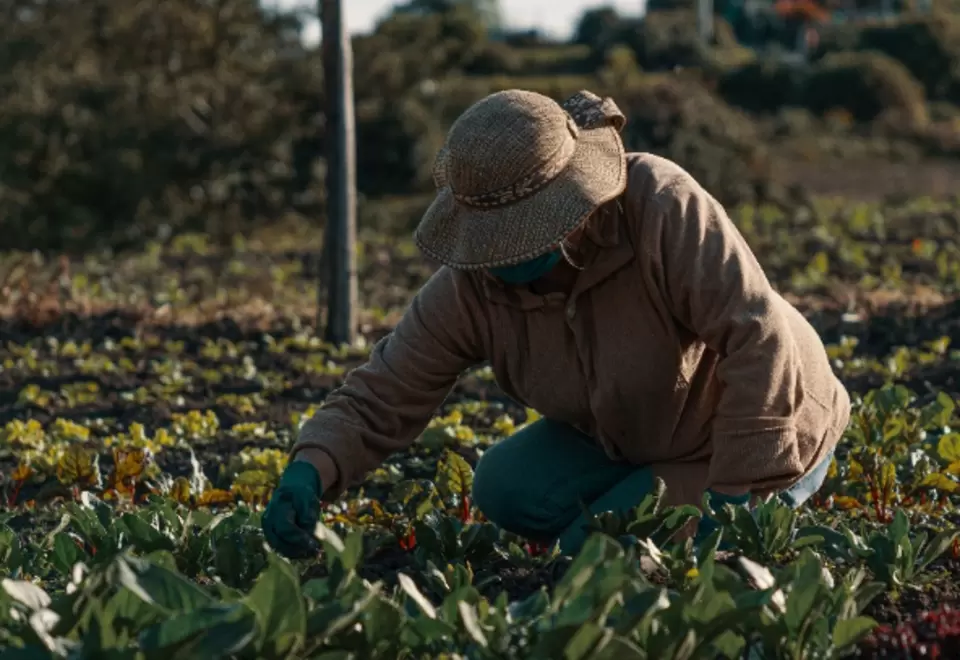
[(868, 85), (119, 117), (763, 86), (668, 39), (127, 119), (929, 47)]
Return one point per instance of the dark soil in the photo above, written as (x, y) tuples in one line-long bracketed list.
[(945, 590)]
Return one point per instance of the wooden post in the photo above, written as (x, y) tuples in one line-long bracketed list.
[(705, 21), (340, 140)]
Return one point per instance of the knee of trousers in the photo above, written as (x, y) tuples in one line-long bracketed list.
[(492, 494)]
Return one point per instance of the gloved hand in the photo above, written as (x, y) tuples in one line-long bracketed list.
[(708, 524), (293, 512)]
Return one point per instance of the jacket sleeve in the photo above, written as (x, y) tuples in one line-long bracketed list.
[(715, 287), (384, 405)]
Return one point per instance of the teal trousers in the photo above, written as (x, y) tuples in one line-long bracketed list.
[(533, 483)]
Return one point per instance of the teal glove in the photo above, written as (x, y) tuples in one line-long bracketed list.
[(293, 512), (708, 524)]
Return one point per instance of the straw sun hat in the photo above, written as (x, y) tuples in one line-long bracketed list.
[(518, 172)]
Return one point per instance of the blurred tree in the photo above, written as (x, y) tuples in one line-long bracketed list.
[(669, 5), (399, 68), (488, 11), (597, 27), (120, 116)]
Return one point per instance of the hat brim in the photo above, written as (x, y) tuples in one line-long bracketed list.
[(468, 238)]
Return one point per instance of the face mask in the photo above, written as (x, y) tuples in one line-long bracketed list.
[(528, 271)]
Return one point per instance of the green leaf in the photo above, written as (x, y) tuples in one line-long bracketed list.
[(159, 586), (144, 536), (471, 623), (329, 619), (65, 553), (29, 653), (352, 553), (329, 538), (807, 542), (867, 593), (936, 547), (530, 607), (280, 608), (11, 555), (426, 631), (163, 558), (130, 612), (900, 527), (850, 631), (384, 619), (26, 593), (214, 631), (410, 589), (803, 595), (620, 648), (834, 543), (584, 641)]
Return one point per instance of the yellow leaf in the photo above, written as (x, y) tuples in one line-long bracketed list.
[(121, 488), (251, 494), (832, 471), (941, 481), (888, 476), (856, 470), (77, 467), (28, 434), (949, 447), (846, 502), (454, 475), (66, 430), (505, 425), (953, 468), (22, 473), (128, 464), (455, 418), (255, 478), (180, 491), (215, 496), (138, 435), (163, 438)]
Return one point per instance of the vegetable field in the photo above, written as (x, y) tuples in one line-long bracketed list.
[(147, 402)]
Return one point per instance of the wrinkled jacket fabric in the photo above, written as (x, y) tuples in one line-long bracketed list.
[(672, 350)]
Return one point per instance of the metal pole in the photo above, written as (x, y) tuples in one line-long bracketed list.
[(340, 139)]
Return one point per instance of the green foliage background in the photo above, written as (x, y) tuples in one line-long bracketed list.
[(126, 120)]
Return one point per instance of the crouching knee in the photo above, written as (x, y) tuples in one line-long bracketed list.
[(509, 501), (492, 493)]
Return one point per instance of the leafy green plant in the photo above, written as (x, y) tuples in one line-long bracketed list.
[(648, 520), (765, 532), (444, 539), (896, 557)]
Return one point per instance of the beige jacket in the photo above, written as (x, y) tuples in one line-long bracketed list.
[(672, 350)]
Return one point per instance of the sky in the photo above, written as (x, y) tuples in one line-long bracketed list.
[(555, 17)]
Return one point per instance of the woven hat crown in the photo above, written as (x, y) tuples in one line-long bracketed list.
[(505, 147)]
